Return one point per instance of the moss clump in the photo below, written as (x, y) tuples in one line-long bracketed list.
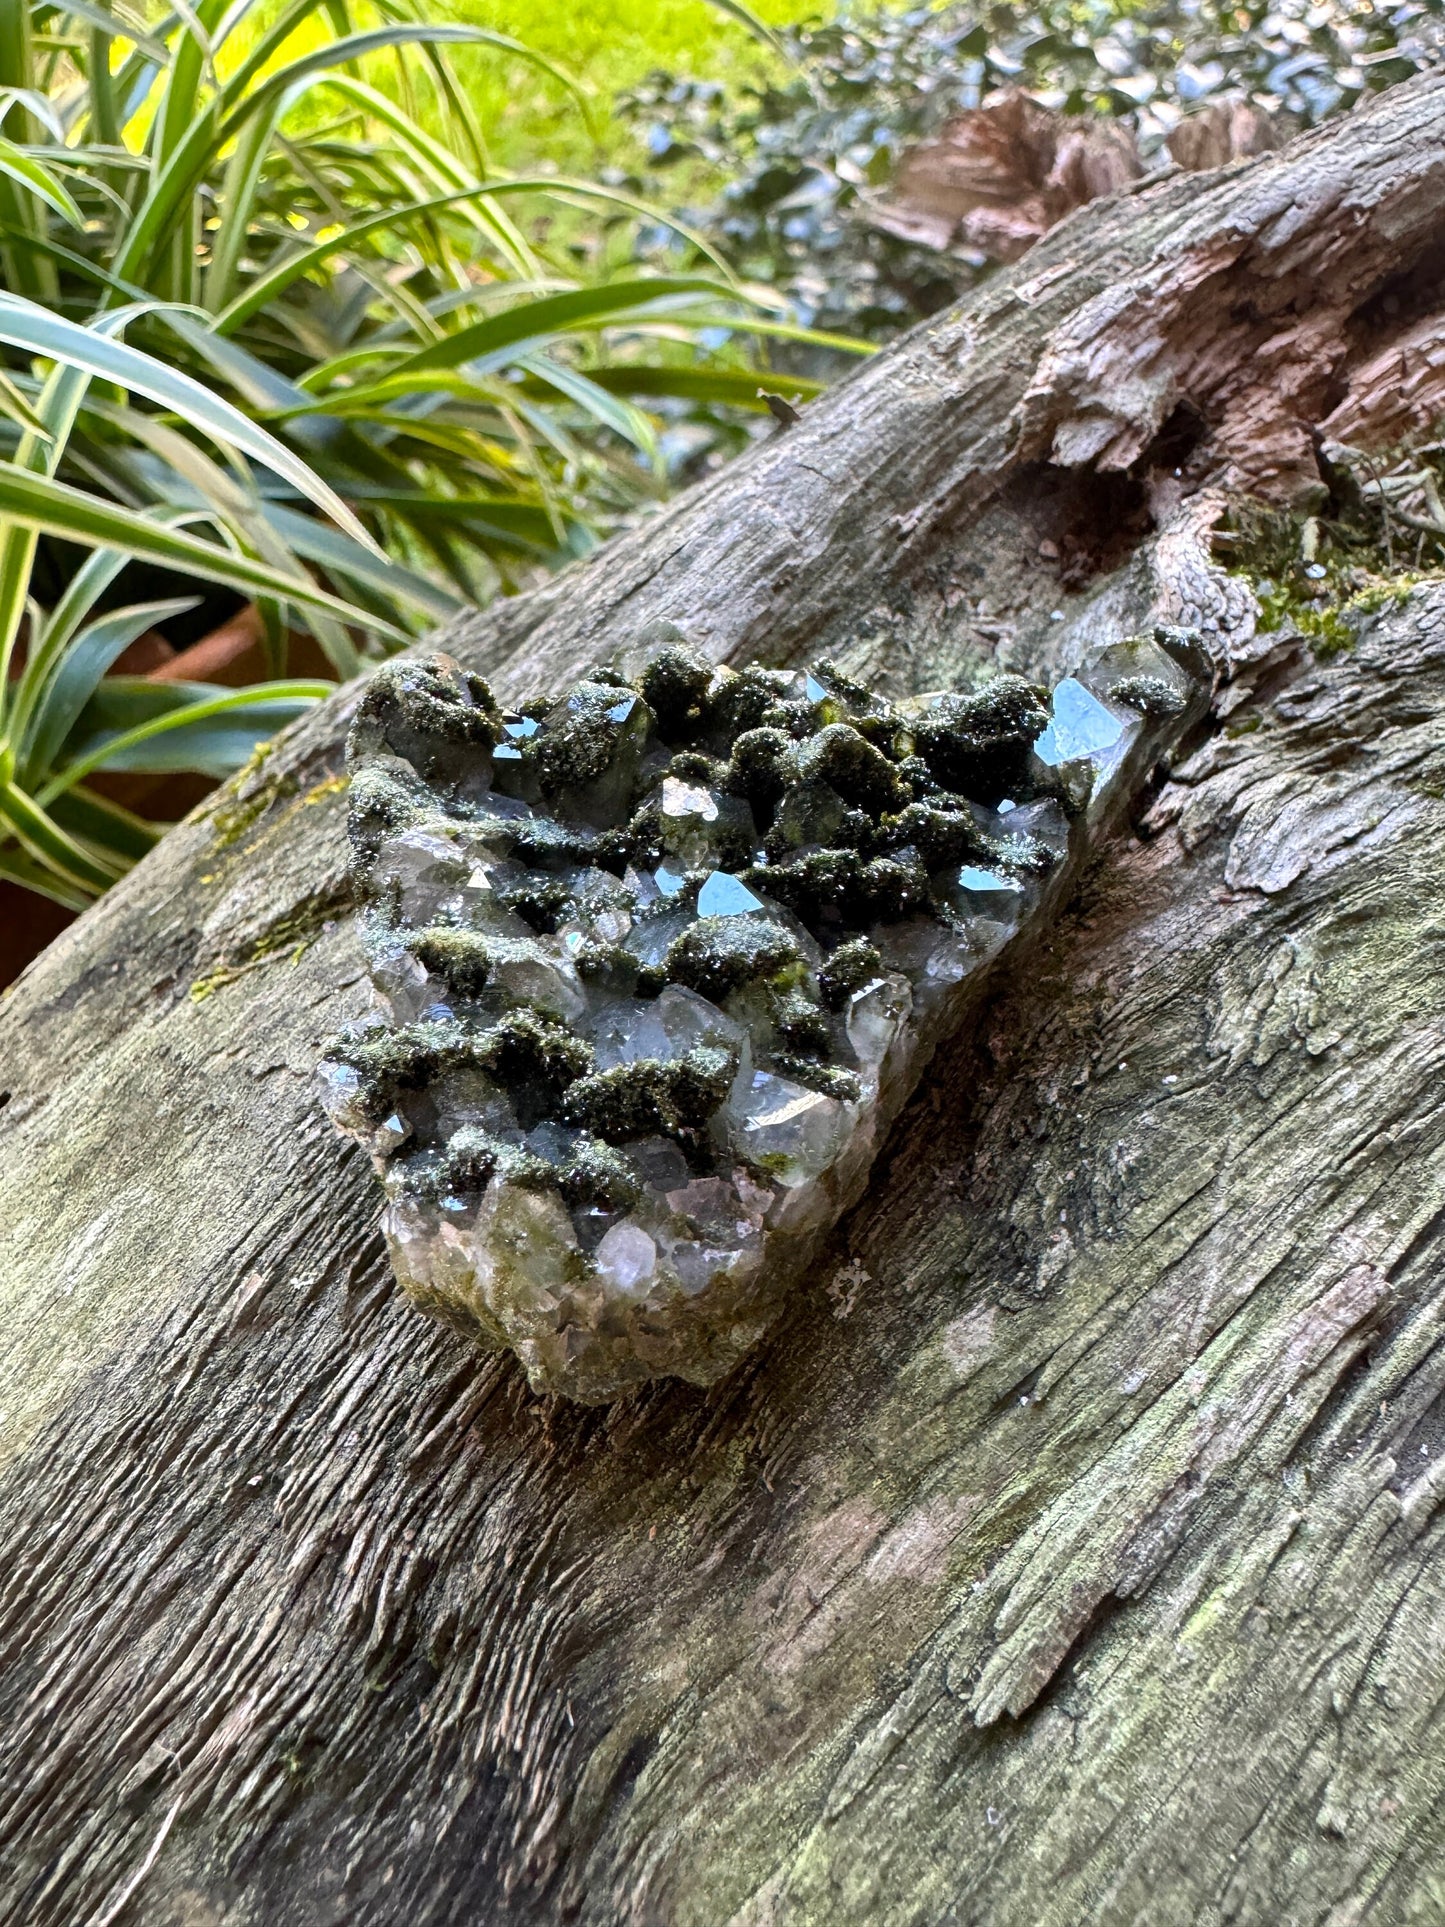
[(847, 762), (813, 815), (605, 963), (291, 935), (461, 958), (760, 770), (980, 744), (649, 836), (1150, 695), (816, 884), (917, 775), (897, 887), (719, 954), (752, 699), (1024, 854), (1312, 574), (596, 1175), (526, 1048), (940, 834), (694, 766), (528, 1053), (845, 697), (831, 1079), (472, 1158), (653, 1097), (406, 1058), (581, 738), (241, 806), (675, 685), (797, 1016), (850, 967), (543, 843), (431, 712), (385, 799), (540, 901)]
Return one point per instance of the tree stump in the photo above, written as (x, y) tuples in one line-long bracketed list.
[(1072, 1551)]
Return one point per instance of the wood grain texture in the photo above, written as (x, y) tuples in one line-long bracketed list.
[(1073, 1552)]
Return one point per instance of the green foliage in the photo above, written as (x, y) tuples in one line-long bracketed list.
[(1379, 531), (799, 154), (271, 327)]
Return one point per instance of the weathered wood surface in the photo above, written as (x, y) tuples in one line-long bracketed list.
[(1072, 1552)]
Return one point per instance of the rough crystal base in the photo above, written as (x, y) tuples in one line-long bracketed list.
[(658, 963)]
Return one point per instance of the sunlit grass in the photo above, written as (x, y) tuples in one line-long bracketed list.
[(526, 118), (611, 44)]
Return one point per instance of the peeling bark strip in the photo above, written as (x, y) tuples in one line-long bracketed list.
[(1074, 1552)]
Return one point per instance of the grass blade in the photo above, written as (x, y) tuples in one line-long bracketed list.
[(273, 705), (30, 173), (55, 508), (17, 866), (41, 725), (42, 838), (26, 326), (98, 821)]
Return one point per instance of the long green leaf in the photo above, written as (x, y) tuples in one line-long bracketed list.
[(38, 502), (268, 44), (624, 420), (118, 24), (231, 506), (18, 866), (725, 385), (38, 735), (19, 208), (16, 405), (759, 29), (499, 337), (274, 282), (238, 197), (81, 593), (42, 837), (26, 326), (442, 171), (503, 338), (98, 821), (244, 88), (275, 704), (36, 456), (36, 103), (30, 173), (314, 542), (785, 331), (190, 57)]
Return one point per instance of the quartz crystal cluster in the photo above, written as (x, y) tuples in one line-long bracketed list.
[(658, 961)]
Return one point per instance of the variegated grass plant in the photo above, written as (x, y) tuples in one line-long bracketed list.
[(272, 324)]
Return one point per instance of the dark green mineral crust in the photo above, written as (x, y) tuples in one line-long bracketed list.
[(659, 961)]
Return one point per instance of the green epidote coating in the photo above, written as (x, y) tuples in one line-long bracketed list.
[(531, 882)]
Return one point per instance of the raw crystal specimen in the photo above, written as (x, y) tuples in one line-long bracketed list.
[(658, 963)]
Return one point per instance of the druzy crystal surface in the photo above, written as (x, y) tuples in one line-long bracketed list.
[(657, 963)]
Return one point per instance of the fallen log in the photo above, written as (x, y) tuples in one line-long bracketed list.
[(1071, 1551)]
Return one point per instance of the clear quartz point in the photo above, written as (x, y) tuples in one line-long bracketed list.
[(649, 1003)]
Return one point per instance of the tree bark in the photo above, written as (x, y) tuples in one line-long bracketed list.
[(1072, 1552)]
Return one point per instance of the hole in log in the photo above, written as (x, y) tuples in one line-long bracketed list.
[(1176, 441)]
